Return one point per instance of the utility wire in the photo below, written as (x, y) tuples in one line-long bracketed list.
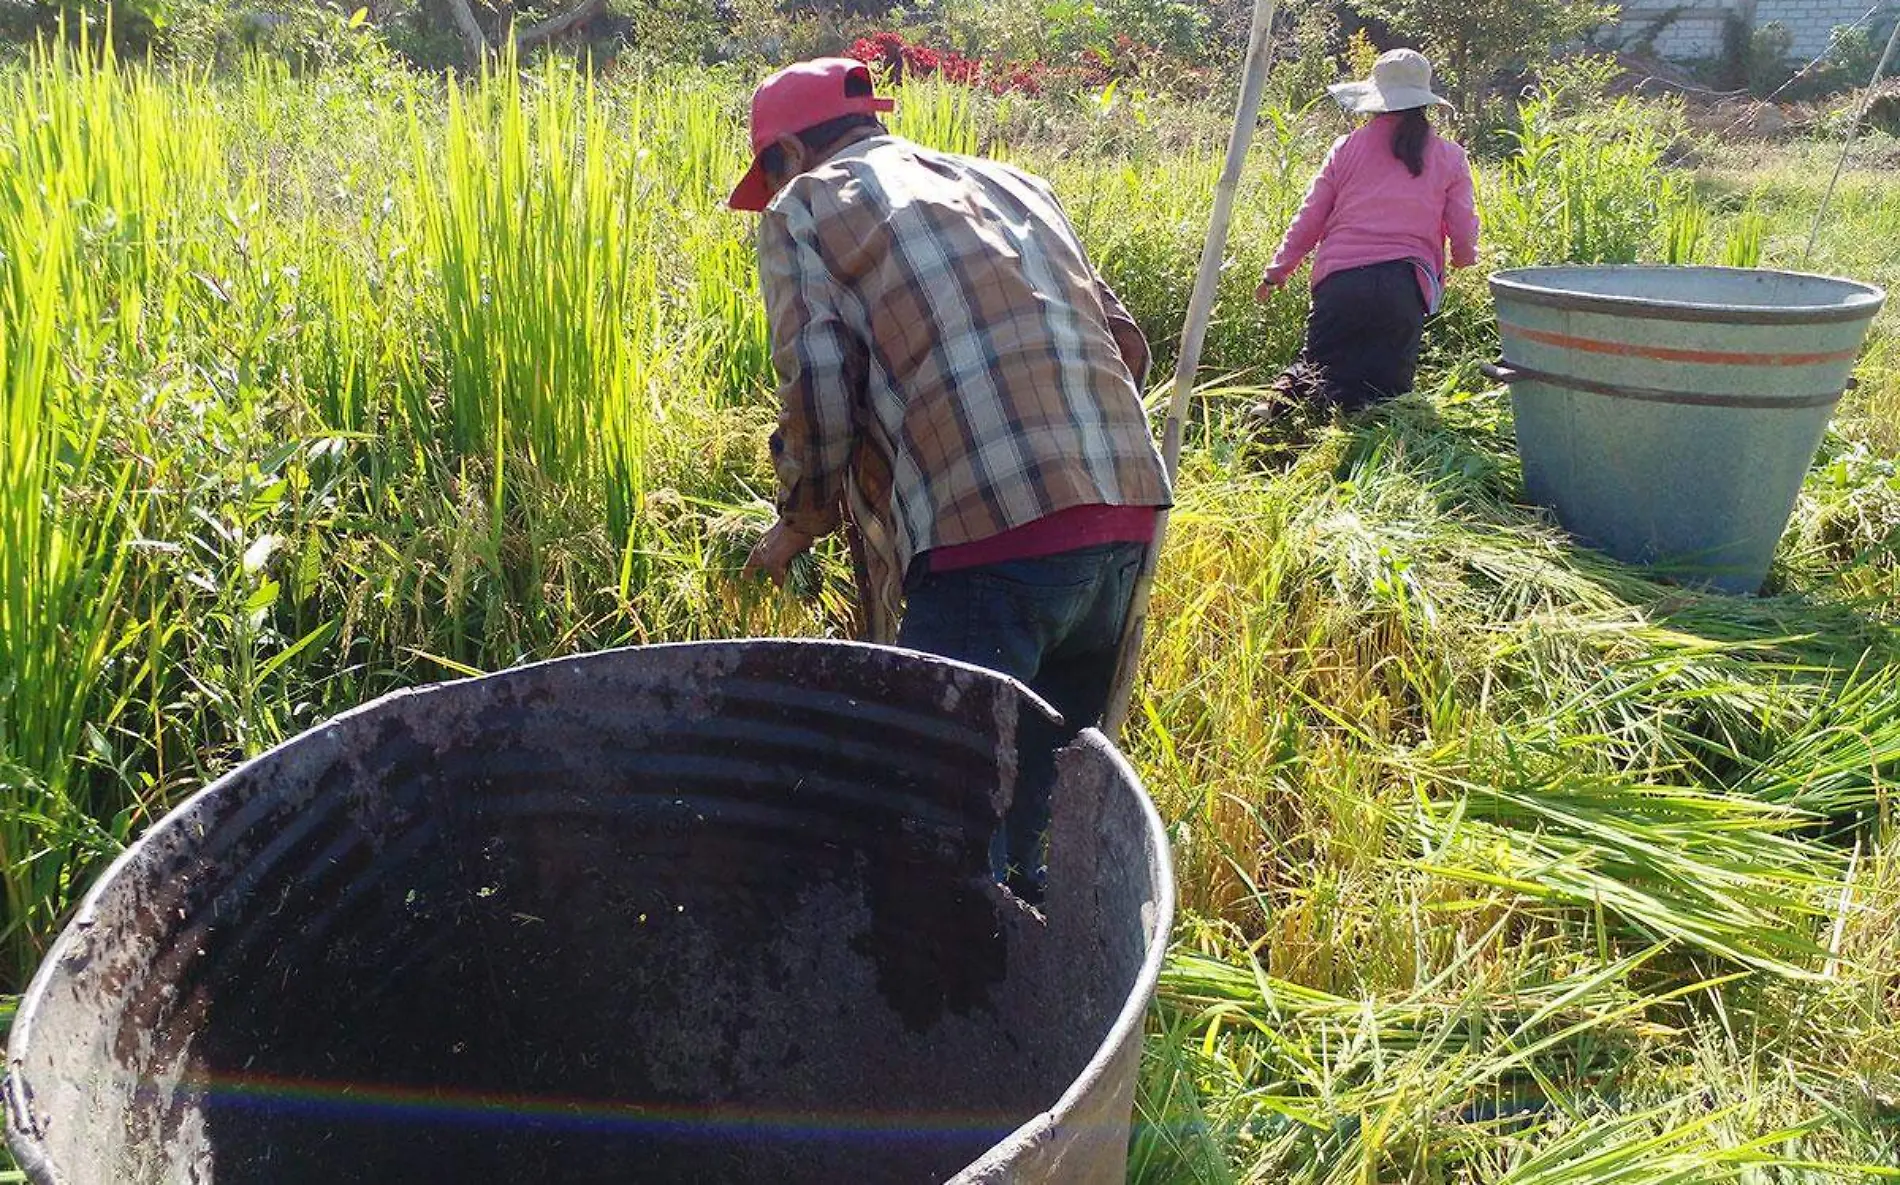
[(1847, 149), (1833, 42)]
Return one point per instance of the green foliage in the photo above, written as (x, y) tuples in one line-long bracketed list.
[(307, 36), (1848, 65), (1583, 184), (308, 33), (677, 32), (1004, 30), (1580, 80), (134, 24), (1361, 54), (761, 36), (1766, 58), (1761, 59), (1472, 41), (1168, 25), (1032, 30), (1306, 54)]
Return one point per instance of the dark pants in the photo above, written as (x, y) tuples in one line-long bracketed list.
[(1053, 622), (1362, 337)]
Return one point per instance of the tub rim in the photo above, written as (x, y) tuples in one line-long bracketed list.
[(1522, 285), (1131, 1022)]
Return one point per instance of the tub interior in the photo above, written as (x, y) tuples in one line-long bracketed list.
[(586, 932)]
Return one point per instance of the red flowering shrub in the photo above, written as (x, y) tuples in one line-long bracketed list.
[(901, 60), (880, 49)]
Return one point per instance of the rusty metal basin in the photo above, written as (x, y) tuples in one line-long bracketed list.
[(702, 913)]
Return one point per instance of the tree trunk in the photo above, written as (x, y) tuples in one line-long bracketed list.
[(471, 31), (480, 46)]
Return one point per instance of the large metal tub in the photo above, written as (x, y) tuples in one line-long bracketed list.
[(705, 913), (1669, 414)]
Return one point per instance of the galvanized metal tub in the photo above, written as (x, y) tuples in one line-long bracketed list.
[(693, 913), (1669, 414)]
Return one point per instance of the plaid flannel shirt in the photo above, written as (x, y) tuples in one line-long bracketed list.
[(939, 331)]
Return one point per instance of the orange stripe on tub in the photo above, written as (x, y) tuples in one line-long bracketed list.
[(1672, 354)]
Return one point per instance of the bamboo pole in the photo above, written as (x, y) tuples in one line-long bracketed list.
[(1193, 337)]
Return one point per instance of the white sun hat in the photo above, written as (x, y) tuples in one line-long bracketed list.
[(1401, 80)]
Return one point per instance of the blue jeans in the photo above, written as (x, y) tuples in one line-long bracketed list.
[(1054, 622)]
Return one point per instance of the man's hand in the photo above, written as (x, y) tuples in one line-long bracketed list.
[(775, 551), (1268, 286)]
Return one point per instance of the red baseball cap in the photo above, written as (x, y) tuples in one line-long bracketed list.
[(802, 95)]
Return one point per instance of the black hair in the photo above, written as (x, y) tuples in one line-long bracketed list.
[(818, 137), (1410, 137)]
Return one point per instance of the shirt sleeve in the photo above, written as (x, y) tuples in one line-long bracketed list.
[(1461, 215), (1310, 223), (821, 366), (1128, 336)]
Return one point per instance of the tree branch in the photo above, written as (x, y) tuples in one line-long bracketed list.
[(558, 24)]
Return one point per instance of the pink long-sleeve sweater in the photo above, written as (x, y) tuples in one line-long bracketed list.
[(1365, 207)]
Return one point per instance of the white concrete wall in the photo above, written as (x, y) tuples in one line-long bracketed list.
[(1696, 28), (1813, 21), (1683, 32)]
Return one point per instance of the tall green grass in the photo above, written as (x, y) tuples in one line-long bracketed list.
[(69, 506), (1503, 861)]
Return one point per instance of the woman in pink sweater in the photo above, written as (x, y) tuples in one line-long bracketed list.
[(1380, 211)]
